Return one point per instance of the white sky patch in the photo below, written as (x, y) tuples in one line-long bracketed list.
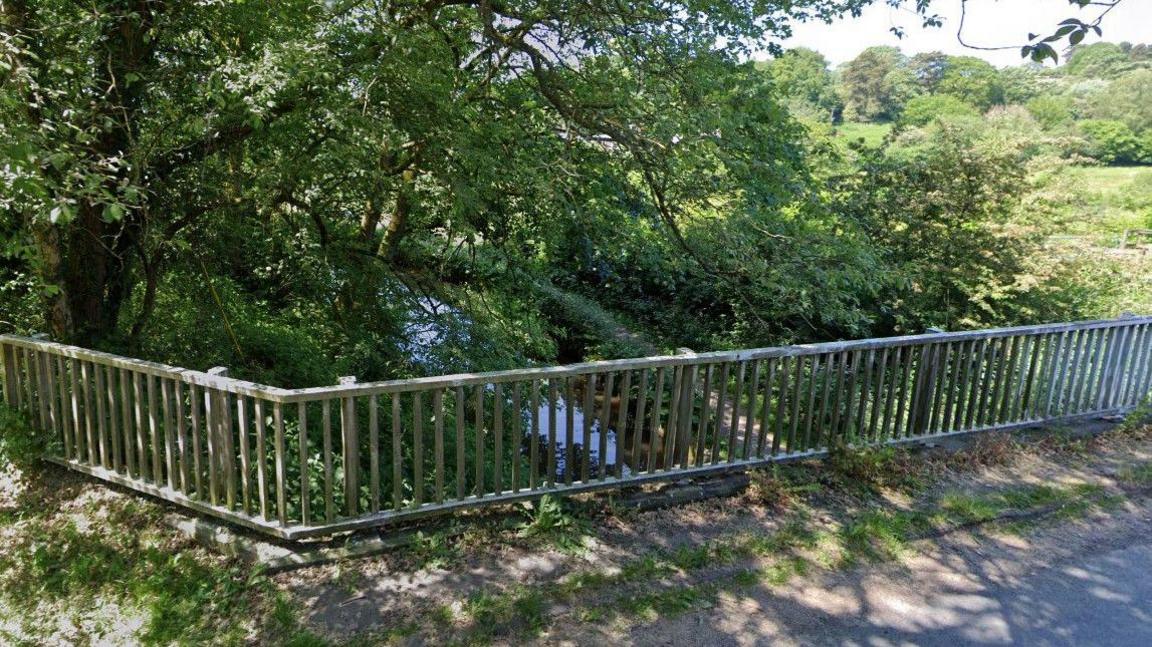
[(990, 23)]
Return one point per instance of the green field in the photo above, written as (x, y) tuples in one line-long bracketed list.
[(1109, 200), (872, 134)]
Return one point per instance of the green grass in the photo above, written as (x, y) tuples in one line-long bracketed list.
[(1109, 200), (872, 134)]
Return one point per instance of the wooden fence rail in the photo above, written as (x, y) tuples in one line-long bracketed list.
[(311, 462)]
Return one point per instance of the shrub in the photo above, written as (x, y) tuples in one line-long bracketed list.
[(927, 108), (21, 445), (1113, 142)]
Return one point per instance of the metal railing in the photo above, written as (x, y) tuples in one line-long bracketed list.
[(311, 462)]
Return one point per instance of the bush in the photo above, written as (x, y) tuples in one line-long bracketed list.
[(1113, 142), (925, 109), (21, 445)]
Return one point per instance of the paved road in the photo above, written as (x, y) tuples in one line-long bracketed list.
[(1104, 600), (1087, 586)]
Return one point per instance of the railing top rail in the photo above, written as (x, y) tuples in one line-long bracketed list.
[(549, 372), (188, 376)]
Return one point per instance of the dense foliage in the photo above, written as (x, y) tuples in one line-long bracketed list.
[(308, 189)]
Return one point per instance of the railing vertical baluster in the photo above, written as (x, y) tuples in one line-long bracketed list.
[(498, 437), (868, 366), (438, 408), (797, 397), (551, 459), (262, 460), (461, 440), (899, 424), (169, 434), (641, 410), (704, 424), (837, 399), (588, 413), (124, 380), (36, 383), (518, 437), (374, 450), (227, 447), (605, 423), (721, 404), (821, 439), (1056, 369), (919, 385), (534, 441), (25, 359), (478, 437), (61, 396), (211, 435), (872, 431), (181, 435), (887, 424), (622, 423), (657, 410), (154, 432), (101, 421), (417, 449), (668, 439), (734, 423), (245, 454), (810, 408), (197, 469), (281, 464), (303, 441), (750, 415), (569, 432), (781, 406), (765, 413), (952, 370), (49, 392), (114, 426), (398, 455), (329, 472), (86, 406)]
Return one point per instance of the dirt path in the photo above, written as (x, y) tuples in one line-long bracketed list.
[(994, 545)]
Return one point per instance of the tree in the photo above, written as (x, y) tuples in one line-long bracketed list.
[(1097, 61), (1113, 142), (1127, 99), (804, 78), (973, 81), (874, 88), (1051, 111)]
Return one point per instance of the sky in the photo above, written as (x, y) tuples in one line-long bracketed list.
[(989, 23)]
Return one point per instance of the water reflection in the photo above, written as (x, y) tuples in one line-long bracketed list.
[(611, 453)]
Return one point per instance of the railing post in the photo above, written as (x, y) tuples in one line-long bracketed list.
[(351, 436), (214, 426)]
